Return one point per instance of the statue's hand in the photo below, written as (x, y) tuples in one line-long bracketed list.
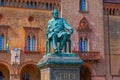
[(49, 31), (68, 33)]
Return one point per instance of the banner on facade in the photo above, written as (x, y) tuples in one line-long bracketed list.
[(15, 56)]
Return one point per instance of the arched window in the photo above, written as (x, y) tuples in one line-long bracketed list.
[(1, 42), (27, 5), (50, 6), (113, 11), (35, 5), (82, 5), (46, 6), (28, 43), (2, 2), (110, 11), (31, 5), (33, 43), (83, 44), (31, 37), (26, 76)]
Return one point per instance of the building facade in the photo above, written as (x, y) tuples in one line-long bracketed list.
[(23, 25), (86, 18), (111, 29)]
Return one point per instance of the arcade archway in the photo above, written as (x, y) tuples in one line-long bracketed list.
[(85, 73), (4, 72), (29, 72)]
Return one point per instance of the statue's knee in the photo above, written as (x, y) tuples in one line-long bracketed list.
[(65, 36)]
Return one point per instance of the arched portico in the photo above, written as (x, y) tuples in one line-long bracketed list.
[(4, 72), (29, 71), (86, 71)]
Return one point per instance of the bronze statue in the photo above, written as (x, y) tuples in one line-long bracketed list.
[(58, 31)]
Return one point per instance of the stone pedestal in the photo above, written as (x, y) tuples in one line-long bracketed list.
[(65, 66)]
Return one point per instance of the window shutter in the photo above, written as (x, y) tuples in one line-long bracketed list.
[(31, 5), (28, 43), (33, 44), (80, 45), (85, 44)]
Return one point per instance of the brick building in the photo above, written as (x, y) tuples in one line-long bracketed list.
[(112, 40), (23, 25)]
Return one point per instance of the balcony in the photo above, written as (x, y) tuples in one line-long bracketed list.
[(87, 56)]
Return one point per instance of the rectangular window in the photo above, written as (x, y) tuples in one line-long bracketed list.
[(31, 44), (31, 39), (83, 6), (1, 42), (83, 45), (2, 2)]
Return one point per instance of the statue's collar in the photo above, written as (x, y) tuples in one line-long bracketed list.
[(55, 19)]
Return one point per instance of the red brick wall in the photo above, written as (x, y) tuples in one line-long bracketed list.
[(70, 11)]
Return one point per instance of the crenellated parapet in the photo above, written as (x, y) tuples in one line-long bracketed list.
[(32, 4), (112, 9)]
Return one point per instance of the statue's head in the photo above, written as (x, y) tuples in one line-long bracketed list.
[(55, 13)]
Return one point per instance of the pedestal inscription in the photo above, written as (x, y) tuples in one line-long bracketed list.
[(64, 67), (65, 74)]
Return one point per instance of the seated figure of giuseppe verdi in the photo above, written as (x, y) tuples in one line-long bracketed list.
[(58, 31)]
